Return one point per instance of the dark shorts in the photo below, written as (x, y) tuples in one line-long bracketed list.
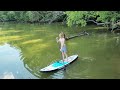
[(64, 49)]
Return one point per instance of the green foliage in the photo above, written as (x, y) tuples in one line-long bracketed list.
[(3, 17), (19, 16), (28, 16), (78, 17), (81, 17), (110, 16), (74, 18), (31, 16), (11, 15)]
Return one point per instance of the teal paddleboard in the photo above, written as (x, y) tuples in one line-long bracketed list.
[(59, 64)]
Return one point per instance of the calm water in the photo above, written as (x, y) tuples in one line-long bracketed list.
[(26, 48)]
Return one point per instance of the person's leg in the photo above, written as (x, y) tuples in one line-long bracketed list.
[(66, 56), (63, 56), (65, 53)]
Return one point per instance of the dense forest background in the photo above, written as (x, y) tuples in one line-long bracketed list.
[(109, 19)]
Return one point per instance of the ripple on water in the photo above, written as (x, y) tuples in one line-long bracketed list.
[(78, 74), (89, 59), (79, 70), (58, 75)]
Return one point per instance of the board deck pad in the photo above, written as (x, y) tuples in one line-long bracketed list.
[(59, 64)]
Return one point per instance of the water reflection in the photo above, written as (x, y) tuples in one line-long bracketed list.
[(7, 75), (116, 41), (11, 67)]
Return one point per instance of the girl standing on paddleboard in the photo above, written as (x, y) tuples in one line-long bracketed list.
[(63, 49)]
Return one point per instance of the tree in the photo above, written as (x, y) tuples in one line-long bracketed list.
[(3, 16), (11, 15), (106, 18), (32, 16)]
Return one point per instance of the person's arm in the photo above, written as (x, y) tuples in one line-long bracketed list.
[(57, 39)]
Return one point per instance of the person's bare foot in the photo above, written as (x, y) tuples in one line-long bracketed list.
[(66, 59), (63, 61)]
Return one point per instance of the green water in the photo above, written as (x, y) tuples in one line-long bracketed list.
[(26, 48)]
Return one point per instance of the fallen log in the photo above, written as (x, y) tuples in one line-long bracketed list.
[(79, 34)]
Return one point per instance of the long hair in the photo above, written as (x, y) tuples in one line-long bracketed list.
[(61, 35)]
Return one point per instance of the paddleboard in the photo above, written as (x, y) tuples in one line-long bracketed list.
[(59, 64)]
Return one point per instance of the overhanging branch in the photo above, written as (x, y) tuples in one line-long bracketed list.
[(106, 23)]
